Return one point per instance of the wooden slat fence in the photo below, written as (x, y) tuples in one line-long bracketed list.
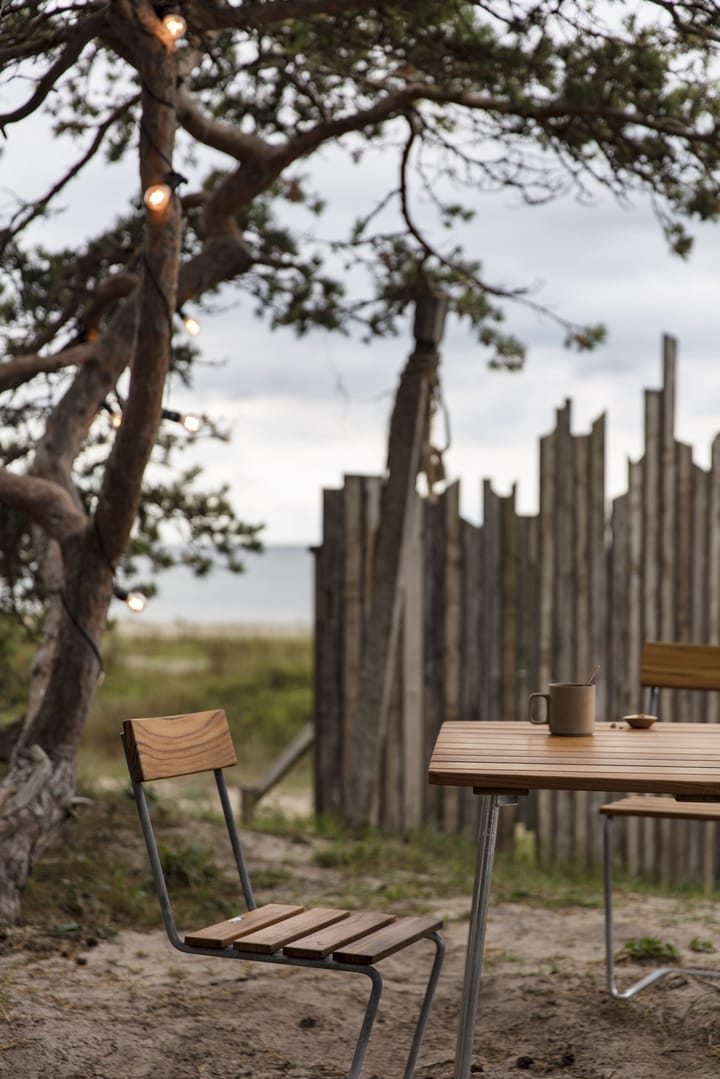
[(491, 613)]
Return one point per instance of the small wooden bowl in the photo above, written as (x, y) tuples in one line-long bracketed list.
[(641, 720)]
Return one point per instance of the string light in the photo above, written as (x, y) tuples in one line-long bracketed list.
[(190, 422), (157, 197), (135, 600), (192, 326), (175, 25), (115, 417)]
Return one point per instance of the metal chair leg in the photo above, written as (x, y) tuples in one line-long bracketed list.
[(426, 1005), (653, 976), (367, 1023)]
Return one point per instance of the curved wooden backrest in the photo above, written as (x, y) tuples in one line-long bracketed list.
[(680, 666), (178, 745)]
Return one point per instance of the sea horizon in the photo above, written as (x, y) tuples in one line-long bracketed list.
[(275, 592)]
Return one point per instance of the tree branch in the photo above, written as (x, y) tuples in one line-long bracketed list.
[(212, 15), (44, 502), (29, 213), (76, 39), (21, 369)]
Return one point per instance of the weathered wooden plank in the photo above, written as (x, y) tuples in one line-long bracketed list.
[(698, 580), (509, 558), (651, 498), (548, 453), (564, 627), (471, 633), (598, 562), (618, 614), (452, 629), (667, 538), (470, 671), (492, 662), (636, 839), (433, 644), (564, 662), (712, 714), (599, 600), (353, 620), (633, 696), (413, 740), (584, 658), (393, 774), (328, 658), (651, 516)]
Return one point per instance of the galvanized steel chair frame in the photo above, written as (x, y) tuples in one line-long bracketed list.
[(328, 963), (653, 976), (659, 972)]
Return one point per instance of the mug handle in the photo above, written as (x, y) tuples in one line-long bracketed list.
[(531, 698)]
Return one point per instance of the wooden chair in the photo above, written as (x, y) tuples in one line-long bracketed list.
[(280, 933), (663, 666)]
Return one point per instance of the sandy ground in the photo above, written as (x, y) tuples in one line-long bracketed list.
[(135, 1008)]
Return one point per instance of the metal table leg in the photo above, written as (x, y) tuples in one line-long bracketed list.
[(487, 834)]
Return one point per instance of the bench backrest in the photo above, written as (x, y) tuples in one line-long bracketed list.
[(178, 745), (680, 666)]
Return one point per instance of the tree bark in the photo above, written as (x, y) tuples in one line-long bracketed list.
[(408, 431)]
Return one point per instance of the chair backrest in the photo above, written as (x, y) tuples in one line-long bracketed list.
[(178, 745), (680, 666), (168, 746)]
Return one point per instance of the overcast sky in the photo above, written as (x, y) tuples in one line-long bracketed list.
[(305, 412)]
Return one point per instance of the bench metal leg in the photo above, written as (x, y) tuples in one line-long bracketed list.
[(653, 976)]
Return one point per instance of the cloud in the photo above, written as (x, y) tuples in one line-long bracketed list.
[(306, 411)]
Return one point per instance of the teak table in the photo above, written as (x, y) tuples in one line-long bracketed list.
[(502, 760)]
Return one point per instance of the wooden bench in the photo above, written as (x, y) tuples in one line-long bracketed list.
[(330, 938), (664, 665)]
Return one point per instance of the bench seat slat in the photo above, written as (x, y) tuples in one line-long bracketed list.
[(657, 806), (320, 945), (391, 938), (276, 937), (222, 934)]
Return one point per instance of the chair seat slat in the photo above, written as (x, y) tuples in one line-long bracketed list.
[(276, 937), (391, 938), (657, 806), (224, 933), (320, 945)]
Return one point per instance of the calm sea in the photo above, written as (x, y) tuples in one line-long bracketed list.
[(275, 590)]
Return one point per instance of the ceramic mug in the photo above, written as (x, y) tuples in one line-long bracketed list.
[(570, 708)]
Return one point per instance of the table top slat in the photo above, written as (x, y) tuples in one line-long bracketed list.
[(670, 758)]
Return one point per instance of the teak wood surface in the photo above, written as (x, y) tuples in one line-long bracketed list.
[(167, 746), (647, 806), (669, 758), (680, 666)]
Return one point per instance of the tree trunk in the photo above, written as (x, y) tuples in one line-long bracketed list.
[(408, 431), (35, 798), (36, 794)]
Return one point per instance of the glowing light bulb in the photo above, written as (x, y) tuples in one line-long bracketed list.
[(157, 197), (136, 601), (191, 423), (192, 326), (175, 25), (116, 420)]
